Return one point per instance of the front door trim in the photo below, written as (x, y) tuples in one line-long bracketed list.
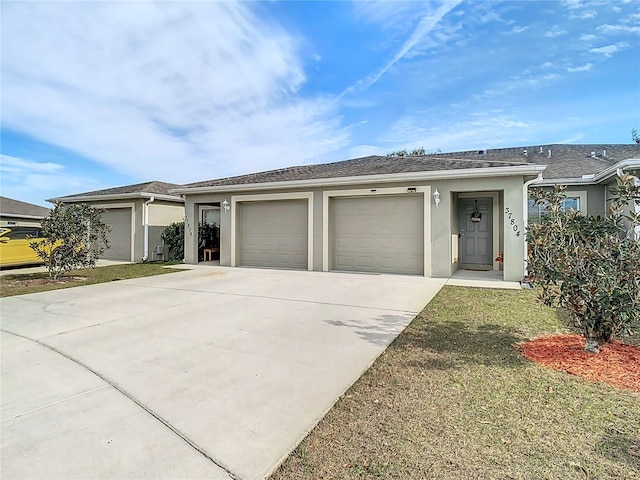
[(496, 220)]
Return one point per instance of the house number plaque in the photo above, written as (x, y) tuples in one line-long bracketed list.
[(512, 222)]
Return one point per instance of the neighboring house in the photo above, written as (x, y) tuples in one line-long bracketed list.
[(588, 171), (427, 215), (137, 215), (23, 214)]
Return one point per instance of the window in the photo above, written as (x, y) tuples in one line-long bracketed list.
[(575, 202), (23, 233), (211, 215)]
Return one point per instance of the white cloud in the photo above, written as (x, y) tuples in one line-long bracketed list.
[(388, 15), (618, 29), (14, 165), (609, 50), (518, 29), (584, 68), (424, 27), (583, 15), (585, 37), (31, 181), (572, 4), (484, 129), (358, 151), (555, 33), (144, 87), (547, 65)]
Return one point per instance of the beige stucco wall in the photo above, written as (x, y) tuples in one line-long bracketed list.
[(8, 221), (442, 220), (595, 197), (162, 214)]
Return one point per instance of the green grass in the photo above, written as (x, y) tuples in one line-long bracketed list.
[(20, 284), (452, 398)]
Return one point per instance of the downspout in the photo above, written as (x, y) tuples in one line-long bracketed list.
[(145, 214), (525, 216)]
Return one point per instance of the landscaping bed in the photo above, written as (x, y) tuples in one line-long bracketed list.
[(454, 398)]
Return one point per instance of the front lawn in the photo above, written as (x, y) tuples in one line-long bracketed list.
[(452, 398), (19, 284)]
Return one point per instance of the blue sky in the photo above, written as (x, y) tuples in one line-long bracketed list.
[(102, 94)]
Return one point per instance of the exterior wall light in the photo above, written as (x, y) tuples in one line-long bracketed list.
[(436, 197), (226, 206)]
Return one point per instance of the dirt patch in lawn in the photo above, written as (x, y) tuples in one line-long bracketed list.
[(29, 282), (21, 284), (617, 364)]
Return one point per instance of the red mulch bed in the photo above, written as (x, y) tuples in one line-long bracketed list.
[(617, 363)]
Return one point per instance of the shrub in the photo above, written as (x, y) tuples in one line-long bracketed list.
[(173, 236), (590, 266)]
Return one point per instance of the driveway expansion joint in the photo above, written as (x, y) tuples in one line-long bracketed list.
[(283, 299), (155, 415)]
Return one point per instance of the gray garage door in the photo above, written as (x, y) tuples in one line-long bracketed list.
[(378, 234), (272, 234), (120, 236)]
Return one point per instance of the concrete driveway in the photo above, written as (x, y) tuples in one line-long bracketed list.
[(208, 373)]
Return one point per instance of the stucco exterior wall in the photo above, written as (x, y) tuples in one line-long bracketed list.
[(595, 197), (162, 214), (10, 221), (442, 219)]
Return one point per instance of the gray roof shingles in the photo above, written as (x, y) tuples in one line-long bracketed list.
[(566, 161), (375, 165), (153, 187), (11, 207)]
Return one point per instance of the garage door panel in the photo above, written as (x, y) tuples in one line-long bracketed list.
[(273, 234), (382, 234), (119, 219)]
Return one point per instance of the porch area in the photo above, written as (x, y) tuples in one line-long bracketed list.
[(481, 279)]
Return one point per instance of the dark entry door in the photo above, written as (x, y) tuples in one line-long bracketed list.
[(476, 231)]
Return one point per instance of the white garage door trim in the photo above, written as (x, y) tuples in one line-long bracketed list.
[(308, 196), (131, 206), (425, 191)]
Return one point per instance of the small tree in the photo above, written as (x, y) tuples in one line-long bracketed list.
[(74, 237), (590, 266)]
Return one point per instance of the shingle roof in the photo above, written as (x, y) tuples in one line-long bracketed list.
[(375, 165), (566, 161), (153, 187), (9, 206)]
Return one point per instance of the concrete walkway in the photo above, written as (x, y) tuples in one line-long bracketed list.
[(208, 373)]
